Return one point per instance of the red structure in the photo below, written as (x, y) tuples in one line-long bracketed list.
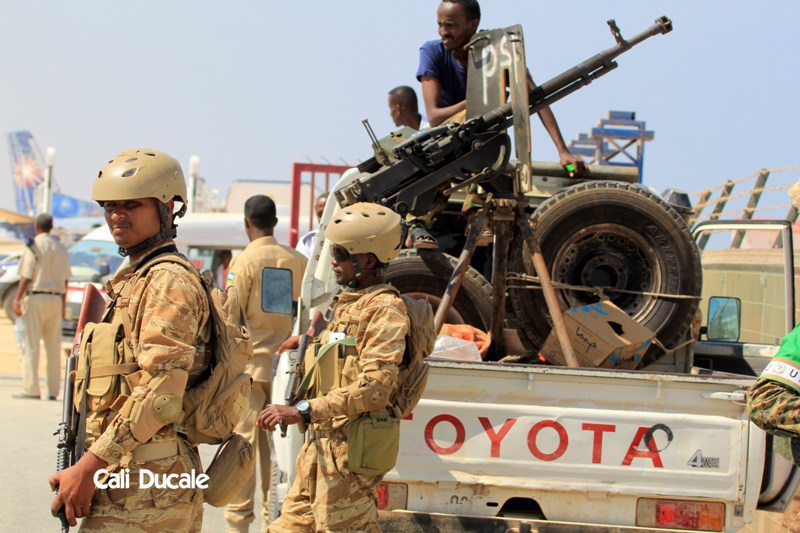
[(313, 172)]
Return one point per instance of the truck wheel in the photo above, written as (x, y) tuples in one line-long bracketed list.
[(8, 302), (611, 234), (425, 275)]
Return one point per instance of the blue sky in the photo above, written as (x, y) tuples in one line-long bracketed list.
[(251, 86)]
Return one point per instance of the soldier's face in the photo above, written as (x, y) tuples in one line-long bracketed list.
[(343, 269), (454, 28), (132, 221)]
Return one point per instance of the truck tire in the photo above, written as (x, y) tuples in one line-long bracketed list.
[(613, 234), (8, 301), (426, 275)]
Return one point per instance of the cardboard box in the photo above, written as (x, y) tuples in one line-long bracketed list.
[(602, 335)]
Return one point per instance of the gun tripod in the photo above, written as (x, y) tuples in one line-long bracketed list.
[(503, 214)]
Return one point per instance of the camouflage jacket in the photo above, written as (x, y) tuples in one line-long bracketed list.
[(380, 330), (169, 314)]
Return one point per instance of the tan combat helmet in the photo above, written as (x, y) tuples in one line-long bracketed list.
[(140, 173), (143, 173), (367, 228)]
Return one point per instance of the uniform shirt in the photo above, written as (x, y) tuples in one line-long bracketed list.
[(169, 313), (267, 330), (47, 268), (436, 62), (305, 242), (380, 336)]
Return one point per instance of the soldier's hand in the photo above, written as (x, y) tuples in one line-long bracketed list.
[(75, 488), (273, 415), (574, 164), (289, 344)]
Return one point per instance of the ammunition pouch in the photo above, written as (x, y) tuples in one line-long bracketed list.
[(373, 441), (103, 349), (233, 460)]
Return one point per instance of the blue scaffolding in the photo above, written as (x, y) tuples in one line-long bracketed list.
[(617, 141)]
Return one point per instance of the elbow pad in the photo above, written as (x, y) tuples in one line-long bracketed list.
[(159, 404), (373, 391)]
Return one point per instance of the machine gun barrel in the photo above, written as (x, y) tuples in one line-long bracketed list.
[(475, 151), (578, 76)]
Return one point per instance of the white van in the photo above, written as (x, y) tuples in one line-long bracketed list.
[(201, 236)]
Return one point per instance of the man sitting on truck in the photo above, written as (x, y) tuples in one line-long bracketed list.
[(443, 74), (367, 335)]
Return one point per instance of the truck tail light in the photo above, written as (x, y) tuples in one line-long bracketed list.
[(680, 514), (392, 496)]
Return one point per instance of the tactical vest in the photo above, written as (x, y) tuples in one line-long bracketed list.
[(341, 365), (108, 351)]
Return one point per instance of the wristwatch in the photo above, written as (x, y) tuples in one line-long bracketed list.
[(304, 408)]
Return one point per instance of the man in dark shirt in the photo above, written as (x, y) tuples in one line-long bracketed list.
[(443, 73)]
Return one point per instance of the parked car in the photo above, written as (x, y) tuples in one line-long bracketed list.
[(9, 280)]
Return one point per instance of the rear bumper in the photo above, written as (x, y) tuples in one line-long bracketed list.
[(411, 522)]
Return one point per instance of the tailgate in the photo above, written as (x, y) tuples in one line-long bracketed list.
[(544, 432)]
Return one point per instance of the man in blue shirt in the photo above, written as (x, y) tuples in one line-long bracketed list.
[(443, 74)]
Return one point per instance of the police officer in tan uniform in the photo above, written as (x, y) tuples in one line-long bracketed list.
[(268, 331), (169, 315), (41, 295), (327, 495)]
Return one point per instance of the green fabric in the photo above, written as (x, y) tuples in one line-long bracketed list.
[(373, 441), (790, 347)]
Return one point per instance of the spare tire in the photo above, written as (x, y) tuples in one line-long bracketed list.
[(426, 275), (618, 235)]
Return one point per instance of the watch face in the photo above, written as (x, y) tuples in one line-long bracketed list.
[(303, 405)]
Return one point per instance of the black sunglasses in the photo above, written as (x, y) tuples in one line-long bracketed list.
[(339, 253)]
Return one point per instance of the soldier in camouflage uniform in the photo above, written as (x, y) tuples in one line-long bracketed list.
[(774, 400), (169, 316), (327, 495)]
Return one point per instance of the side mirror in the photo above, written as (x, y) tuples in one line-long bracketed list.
[(724, 319), (276, 291)]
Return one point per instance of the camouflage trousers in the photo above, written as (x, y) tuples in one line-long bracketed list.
[(149, 509), (326, 496)]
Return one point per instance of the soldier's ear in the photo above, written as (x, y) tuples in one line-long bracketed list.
[(372, 262)]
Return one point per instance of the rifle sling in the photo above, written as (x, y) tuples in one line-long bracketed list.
[(80, 438), (303, 388), (110, 370)]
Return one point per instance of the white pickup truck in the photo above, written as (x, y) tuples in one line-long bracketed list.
[(495, 446)]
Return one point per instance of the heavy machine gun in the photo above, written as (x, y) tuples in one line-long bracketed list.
[(409, 175), (478, 150)]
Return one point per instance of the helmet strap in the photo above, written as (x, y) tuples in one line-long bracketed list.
[(164, 234), (353, 283)]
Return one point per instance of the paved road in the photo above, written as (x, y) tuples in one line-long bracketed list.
[(27, 452)]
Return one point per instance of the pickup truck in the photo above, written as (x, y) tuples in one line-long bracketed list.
[(493, 446), (515, 444)]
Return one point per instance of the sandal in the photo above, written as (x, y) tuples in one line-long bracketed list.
[(421, 239)]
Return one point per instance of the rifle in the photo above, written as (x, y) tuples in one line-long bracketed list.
[(70, 444), (476, 151), (294, 389)]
